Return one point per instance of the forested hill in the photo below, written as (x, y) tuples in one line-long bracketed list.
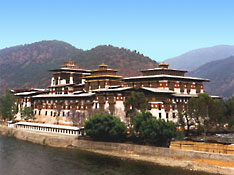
[(27, 65)]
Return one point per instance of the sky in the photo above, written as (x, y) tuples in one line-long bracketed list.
[(159, 29)]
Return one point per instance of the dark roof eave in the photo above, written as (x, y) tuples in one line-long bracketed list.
[(70, 70), (67, 96), (96, 78), (177, 70), (165, 77), (61, 85), (104, 70)]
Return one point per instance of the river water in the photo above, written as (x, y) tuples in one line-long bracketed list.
[(24, 158)]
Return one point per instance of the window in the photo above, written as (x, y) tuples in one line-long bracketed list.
[(63, 114), (45, 112), (35, 112), (174, 115), (51, 113), (167, 115), (39, 112), (160, 115)]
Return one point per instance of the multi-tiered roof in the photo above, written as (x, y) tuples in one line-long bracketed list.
[(103, 72), (70, 66), (163, 72)]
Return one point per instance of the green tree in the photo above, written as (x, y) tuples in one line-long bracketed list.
[(27, 113), (229, 111), (206, 112), (105, 127), (135, 103), (151, 130), (8, 106)]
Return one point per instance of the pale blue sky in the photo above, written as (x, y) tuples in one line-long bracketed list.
[(157, 28)]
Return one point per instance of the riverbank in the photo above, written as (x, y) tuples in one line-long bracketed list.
[(192, 160)]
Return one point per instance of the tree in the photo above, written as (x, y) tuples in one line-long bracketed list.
[(76, 117), (152, 130), (57, 113), (206, 112), (229, 111), (8, 106), (105, 127), (27, 113), (181, 121), (135, 103), (185, 121)]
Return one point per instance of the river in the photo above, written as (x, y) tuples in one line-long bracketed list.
[(24, 158)]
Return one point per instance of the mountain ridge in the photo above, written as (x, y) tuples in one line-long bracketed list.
[(221, 74), (27, 65), (197, 57)]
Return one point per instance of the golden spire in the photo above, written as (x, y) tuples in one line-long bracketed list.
[(163, 65), (102, 66), (69, 64)]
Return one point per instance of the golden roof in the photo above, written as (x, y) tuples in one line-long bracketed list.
[(102, 65), (163, 64), (69, 64), (100, 70)]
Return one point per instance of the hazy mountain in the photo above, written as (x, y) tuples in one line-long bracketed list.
[(195, 58), (221, 74), (27, 65)]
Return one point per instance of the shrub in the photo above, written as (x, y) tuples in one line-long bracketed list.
[(105, 127), (152, 130)]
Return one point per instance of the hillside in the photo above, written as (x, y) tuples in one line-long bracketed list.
[(195, 58), (26, 65), (221, 74)]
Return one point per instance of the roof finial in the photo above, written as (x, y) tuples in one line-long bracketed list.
[(69, 64), (163, 65), (103, 65)]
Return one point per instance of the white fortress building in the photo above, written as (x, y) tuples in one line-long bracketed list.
[(75, 93)]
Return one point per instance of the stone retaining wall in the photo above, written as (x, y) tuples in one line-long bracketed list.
[(152, 150), (201, 146), (72, 141)]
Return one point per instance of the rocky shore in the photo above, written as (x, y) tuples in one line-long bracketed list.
[(193, 160)]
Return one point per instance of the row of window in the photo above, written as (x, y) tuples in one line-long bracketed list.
[(61, 101), (52, 114), (160, 85), (179, 100), (167, 115)]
